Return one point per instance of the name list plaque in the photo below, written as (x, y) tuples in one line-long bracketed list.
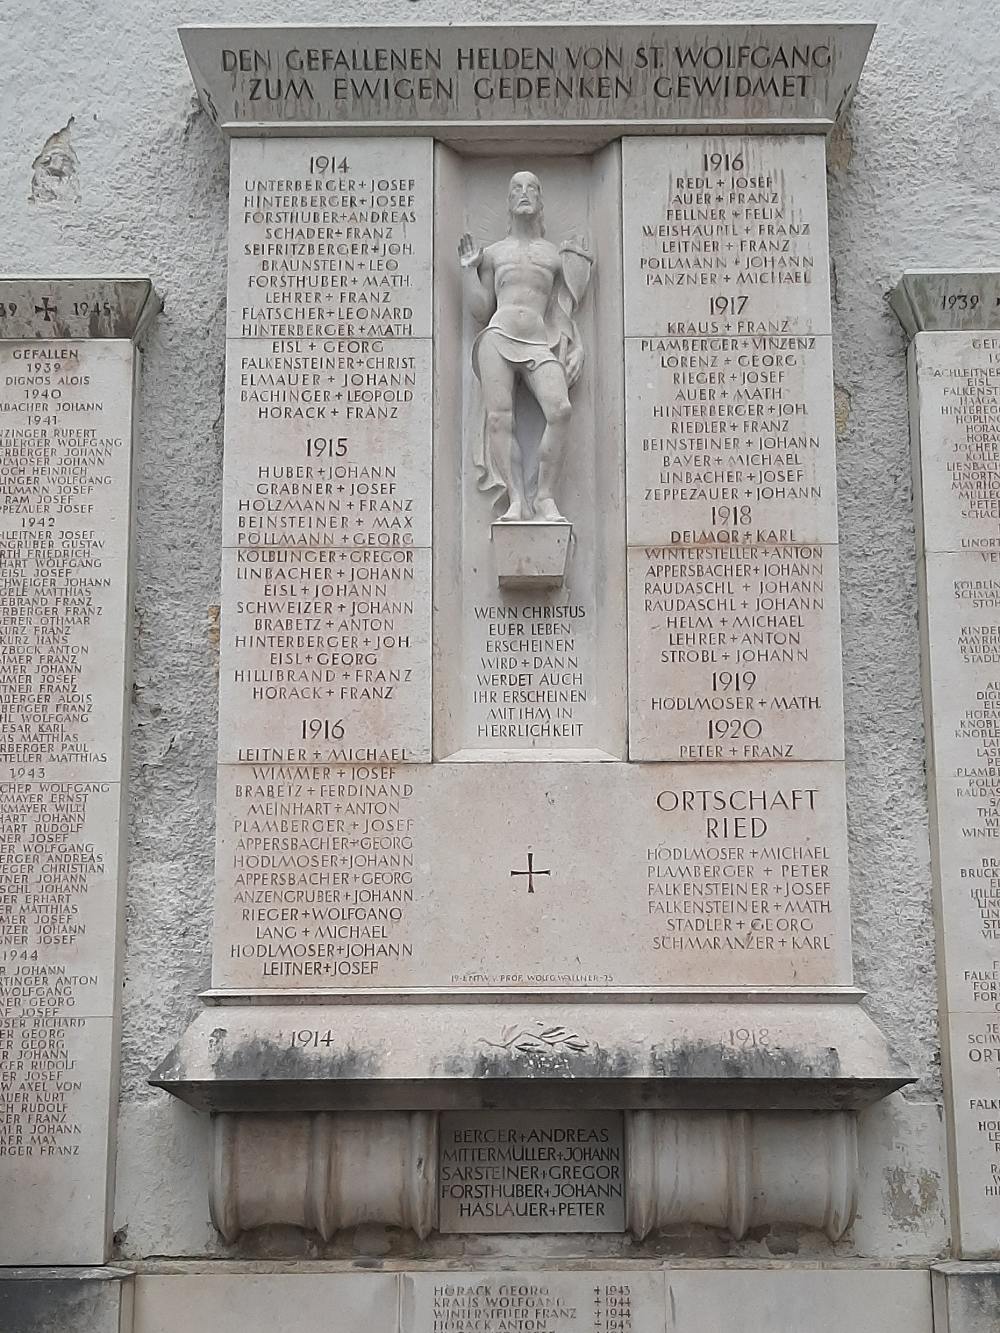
[(954, 363), (68, 365)]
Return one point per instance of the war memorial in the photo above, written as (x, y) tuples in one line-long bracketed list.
[(499, 684)]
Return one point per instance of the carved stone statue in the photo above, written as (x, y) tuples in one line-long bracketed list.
[(526, 292)]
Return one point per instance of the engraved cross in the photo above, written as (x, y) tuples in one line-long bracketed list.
[(45, 309), (531, 872)]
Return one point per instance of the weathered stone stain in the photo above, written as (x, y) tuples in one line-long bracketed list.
[(908, 1197)]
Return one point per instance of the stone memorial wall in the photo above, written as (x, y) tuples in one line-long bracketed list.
[(67, 369), (587, 1300), (954, 366), (526, 1001)]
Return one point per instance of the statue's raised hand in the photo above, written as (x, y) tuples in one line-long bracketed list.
[(469, 253)]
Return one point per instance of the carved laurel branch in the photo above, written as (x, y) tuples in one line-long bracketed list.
[(527, 1040)]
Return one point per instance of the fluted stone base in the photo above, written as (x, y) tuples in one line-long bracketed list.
[(326, 1171)]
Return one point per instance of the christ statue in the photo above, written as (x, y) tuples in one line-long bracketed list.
[(525, 290)]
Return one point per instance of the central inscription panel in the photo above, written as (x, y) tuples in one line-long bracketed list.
[(345, 859), (333, 877), (530, 671)]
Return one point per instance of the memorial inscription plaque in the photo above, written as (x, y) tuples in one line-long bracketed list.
[(326, 514), (67, 368), (740, 877), (955, 419), (605, 1302), (507, 358), (734, 612), (550, 1171)]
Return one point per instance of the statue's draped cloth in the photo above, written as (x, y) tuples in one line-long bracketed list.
[(557, 337)]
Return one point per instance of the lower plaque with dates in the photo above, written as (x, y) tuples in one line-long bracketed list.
[(565, 1302)]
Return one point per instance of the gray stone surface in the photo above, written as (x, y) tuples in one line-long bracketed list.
[(734, 651), (256, 1302), (707, 1050), (937, 300), (734, 614), (65, 1300), (728, 875), (563, 1302), (326, 596), (587, 1299), (966, 1297), (530, 673), (823, 1302), (775, 453), (764, 197), (954, 396), (85, 307)]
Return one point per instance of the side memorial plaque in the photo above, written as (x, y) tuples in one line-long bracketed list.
[(956, 379), (65, 506)]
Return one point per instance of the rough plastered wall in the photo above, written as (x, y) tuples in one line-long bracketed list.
[(107, 165)]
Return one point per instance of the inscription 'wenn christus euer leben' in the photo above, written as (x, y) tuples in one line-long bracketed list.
[(734, 613), (325, 653)]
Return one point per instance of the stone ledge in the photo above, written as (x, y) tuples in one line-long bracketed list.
[(947, 300), (71, 307), (714, 1297), (788, 1056)]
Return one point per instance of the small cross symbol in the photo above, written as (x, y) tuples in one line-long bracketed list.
[(45, 309), (531, 872)]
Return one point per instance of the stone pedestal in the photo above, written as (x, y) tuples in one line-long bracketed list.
[(531, 555)]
